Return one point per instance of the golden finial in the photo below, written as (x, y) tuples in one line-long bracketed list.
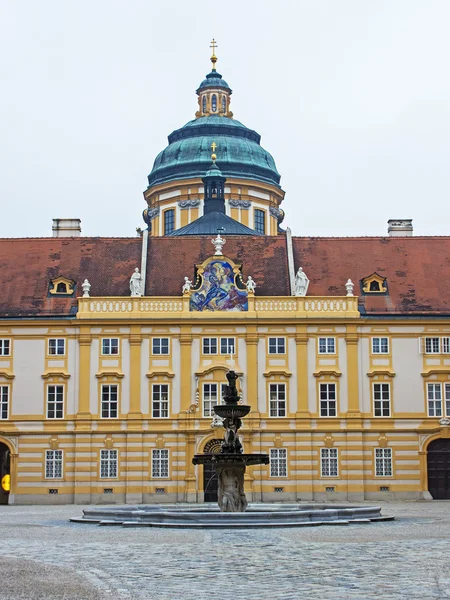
[(213, 155), (213, 56)]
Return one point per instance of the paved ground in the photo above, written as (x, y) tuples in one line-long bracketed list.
[(42, 555)]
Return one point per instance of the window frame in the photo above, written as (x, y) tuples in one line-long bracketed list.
[(328, 400), (227, 339), (160, 462), (2, 346), (435, 385), (383, 460), (56, 353), (432, 340), (381, 400), (5, 404), (259, 220), (108, 461), (276, 463), (209, 400), (110, 340), (54, 462), (209, 353), (380, 350), (56, 402), (169, 217), (328, 461), (160, 353), (160, 402), (327, 344), (278, 402), (446, 398), (106, 405), (276, 345)]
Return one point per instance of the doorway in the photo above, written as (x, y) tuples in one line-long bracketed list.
[(5, 469), (210, 480), (438, 459)]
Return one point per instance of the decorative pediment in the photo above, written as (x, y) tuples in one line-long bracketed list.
[(61, 286), (218, 286), (374, 284)]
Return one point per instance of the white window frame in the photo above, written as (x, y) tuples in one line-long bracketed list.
[(379, 404), (278, 462), (326, 345), (382, 343), (447, 398), (432, 345), (55, 349), (58, 404), (109, 345), (327, 404), (208, 398), (329, 462), (5, 392), (383, 463), (230, 347), (207, 346), (434, 401), (108, 404), (53, 464), (276, 404), (445, 347), (109, 463), (159, 404), (160, 463), (3, 343), (158, 348), (277, 345)]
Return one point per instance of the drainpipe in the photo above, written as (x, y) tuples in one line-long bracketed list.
[(290, 257), (144, 259)]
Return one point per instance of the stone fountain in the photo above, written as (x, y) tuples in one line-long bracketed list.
[(231, 462)]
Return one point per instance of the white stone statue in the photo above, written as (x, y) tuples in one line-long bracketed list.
[(216, 421), (86, 287), (251, 285), (136, 284), (218, 245), (301, 283), (349, 287), (186, 286)]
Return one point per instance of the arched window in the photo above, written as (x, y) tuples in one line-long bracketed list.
[(224, 104), (61, 288), (204, 104), (374, 286), (169, 221), (214, 103)]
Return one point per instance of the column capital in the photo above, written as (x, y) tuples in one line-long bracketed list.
[(84, 339), (135, 339)]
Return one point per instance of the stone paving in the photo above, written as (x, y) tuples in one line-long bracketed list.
[(42, 555)]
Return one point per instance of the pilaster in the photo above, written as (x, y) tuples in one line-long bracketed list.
[(135, 414), (354, 419), (84, 416), (303, 415)]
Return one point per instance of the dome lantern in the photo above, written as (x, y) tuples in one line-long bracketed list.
[(214, 92)]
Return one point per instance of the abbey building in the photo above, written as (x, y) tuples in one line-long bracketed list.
[(113, 351)]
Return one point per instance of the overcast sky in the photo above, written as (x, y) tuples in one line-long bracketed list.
[(351, 97)]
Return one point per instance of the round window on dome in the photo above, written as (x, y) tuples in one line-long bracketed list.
[(214, 103)]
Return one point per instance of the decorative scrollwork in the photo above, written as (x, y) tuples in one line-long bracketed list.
[(239, 203)]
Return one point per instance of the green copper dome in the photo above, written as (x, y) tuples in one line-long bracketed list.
[(239, 153), (214, 80)]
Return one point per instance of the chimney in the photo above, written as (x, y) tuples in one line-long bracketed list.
[(66, 227), (400, 227)]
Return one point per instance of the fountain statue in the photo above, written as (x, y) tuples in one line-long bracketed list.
[(231, 463)]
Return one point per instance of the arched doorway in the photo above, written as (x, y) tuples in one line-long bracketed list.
[(210, 482), (438, 459), (5, 469)]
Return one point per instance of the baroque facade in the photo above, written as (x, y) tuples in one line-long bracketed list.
[(107, 389)]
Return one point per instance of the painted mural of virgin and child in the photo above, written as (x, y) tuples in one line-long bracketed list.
[(218, 290)]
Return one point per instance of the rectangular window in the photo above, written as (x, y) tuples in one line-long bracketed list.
[(327, 345), (277, 399), (447, 399), (434, 399), (277, 345), (56, 346), (160, 463), (5, 347), (227, 346), (108, 464), (53, 464), (446, 345), (160, 401), (169, 221), (110, 346), (209, 345), (432, 345), (209, 398), (110, 401), (383, 462), (278, 462), (328, 405), (160, 346), (260, 221), (382, 399), (4, 401), (55, 402), (329, 462), (380, 345)]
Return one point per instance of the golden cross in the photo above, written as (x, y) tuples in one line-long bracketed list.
[(214, 46), (214, 146)]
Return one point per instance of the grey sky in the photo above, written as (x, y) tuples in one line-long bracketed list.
[(351, 97)]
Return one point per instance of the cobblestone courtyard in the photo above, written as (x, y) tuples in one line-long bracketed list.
[(42, 555)]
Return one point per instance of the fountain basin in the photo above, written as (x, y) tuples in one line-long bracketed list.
[(232, 411), (238, 459)]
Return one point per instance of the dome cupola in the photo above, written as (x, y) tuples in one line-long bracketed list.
[(214, 92)]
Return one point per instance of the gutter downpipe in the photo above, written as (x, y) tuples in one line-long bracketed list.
[(290, 257)]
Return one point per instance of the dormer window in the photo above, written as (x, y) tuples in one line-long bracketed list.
[(374, 284), (214, 103), (62, 286)]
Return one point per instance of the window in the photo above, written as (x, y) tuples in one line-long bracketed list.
[(214, 103), (209, 345), (55, 402), (260, 221), (160, 401), (447, 399), (109, 401), (382, 399), (383, 462), (53, 464), (277, 396), (327, 345), (4, 401), (160, 346), (169, 221), (277, 345), (160, 463), (434, 393), (56, 346), (110, 346), (204, 104), (432, 345), (380, 345), (446, 345), (227, 345), (278, 462), (329, 462), (209, 398), (108, 464), (374, 286), (224, 104), (5, 347), (327, 399), (61, 288)]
